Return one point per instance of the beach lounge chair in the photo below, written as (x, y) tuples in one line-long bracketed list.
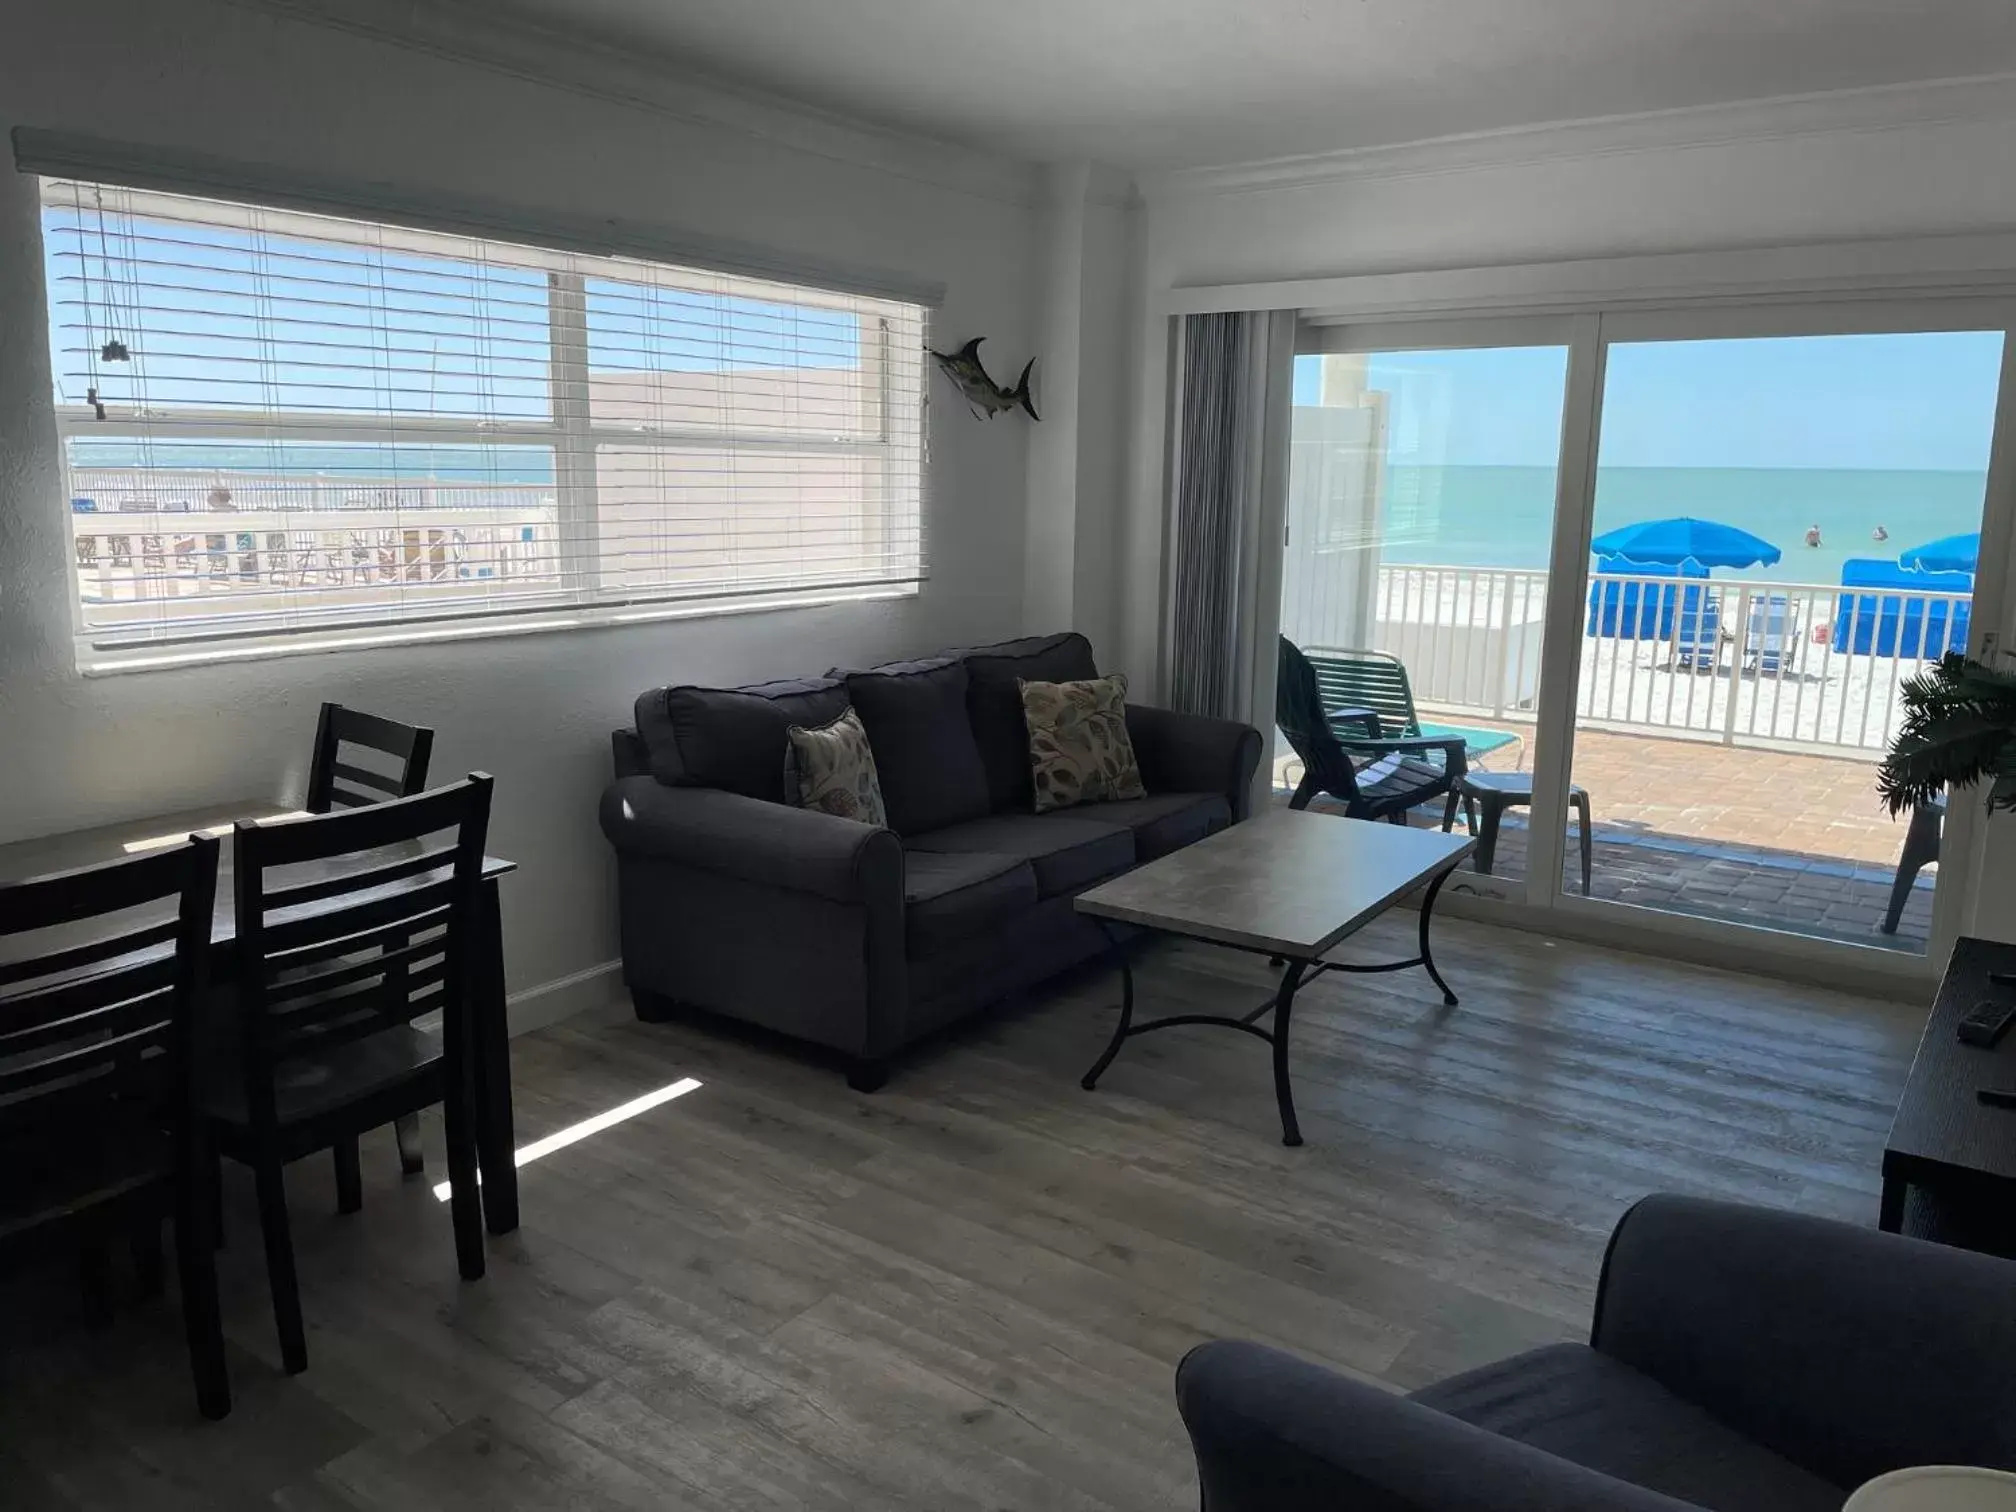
[(1376, 683), (1697, 632), (1771, 638), (1373, 777)]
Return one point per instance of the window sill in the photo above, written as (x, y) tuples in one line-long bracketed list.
[(95, 661)]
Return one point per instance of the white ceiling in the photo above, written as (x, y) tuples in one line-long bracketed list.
[(1174, 83)]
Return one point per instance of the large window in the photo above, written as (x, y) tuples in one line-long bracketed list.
[(279, 424)]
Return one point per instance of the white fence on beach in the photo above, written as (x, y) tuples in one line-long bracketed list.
[(1798, 665)]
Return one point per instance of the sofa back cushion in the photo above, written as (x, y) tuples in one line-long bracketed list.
[(924, 751), (994, 705), (733, 738)]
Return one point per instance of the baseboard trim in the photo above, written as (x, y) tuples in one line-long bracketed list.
[(587, 991)]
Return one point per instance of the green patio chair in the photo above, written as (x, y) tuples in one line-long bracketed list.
[(1372, 686)]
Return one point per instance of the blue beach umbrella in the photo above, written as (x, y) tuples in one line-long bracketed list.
[(1672, 542), (1954, 553)]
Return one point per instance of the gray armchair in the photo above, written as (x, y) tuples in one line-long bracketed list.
[(1741, 1360)]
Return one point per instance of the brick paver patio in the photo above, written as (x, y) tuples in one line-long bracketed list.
[(1759, 837)]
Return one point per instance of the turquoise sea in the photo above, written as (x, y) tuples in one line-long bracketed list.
[(1503, 516)]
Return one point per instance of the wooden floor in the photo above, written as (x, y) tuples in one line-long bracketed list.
[(971, 1290)]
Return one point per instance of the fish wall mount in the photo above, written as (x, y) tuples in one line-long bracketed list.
[(982, 394)]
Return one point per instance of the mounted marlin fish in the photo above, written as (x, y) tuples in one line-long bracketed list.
[(983, 395)]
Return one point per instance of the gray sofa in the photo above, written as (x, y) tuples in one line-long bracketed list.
[(1741, 1360), (860, 938)]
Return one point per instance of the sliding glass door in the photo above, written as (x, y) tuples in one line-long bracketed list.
[(1421, 502), (1660, 580), (1786, 529)]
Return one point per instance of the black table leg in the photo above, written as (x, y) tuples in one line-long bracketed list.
[(1118, 950), (1427, 917), (496, 1141), (412, 1159), (1284, 1096), (1891, 1217)]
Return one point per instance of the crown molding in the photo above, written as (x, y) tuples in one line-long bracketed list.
[(470, 34), (1891, 107)]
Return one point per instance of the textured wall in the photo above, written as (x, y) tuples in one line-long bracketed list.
[(533, 710)]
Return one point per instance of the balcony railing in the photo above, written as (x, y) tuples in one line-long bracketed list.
[(1799, 665), (286, 542)]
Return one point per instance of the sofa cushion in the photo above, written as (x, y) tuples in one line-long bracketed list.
[(994, 704), (1584, 1406), (924, 751), (732, 738), (1163, 822), (1065, 851), (949, 897), (1079, 751)]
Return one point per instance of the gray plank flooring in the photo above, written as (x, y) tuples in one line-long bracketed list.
[(971, 1289)]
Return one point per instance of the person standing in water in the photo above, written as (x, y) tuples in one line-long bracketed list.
[(1813, 535)]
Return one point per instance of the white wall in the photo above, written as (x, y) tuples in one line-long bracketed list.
[(1744, 177), (1085, 249), (533, 710)]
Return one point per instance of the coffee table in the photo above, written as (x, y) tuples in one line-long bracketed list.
[(1285, 884)]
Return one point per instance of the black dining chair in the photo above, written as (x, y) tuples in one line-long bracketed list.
[(99, 1141), (338, 777), (1398, 774), (350, 927)]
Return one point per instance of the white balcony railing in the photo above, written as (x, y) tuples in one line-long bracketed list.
[(288, 543), (1741, 663)]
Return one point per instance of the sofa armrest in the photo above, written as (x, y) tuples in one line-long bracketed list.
[(1193, 753), (1276, 1434), (1846, 1350), (769, 843)]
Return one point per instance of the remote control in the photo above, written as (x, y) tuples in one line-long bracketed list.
[(1986, 1022)]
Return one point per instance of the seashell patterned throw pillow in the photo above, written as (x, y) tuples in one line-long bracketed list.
[(835, 769), (1079, 750)]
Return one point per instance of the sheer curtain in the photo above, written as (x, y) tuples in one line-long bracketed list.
[(1230, 469)]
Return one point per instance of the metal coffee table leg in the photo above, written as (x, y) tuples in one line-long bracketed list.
[(1118, 950), (1284, 1095)]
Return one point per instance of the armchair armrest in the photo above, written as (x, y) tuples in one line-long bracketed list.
[(1454, 749), (1193, 753), (1369, 718), (769, 843), (1846, 1350), (1276, 1434)]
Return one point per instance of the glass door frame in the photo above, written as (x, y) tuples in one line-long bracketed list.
[(1542, 900)]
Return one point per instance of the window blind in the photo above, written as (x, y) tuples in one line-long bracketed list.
[(279, 423)]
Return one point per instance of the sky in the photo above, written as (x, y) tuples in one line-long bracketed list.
[(1908, 402)]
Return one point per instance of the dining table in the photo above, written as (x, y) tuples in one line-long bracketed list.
[(496, 1141)]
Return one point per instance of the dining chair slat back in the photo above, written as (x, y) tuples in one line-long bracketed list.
[(108, 1016), (336, 783), (368, 941)]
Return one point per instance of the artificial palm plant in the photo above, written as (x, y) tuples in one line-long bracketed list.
[(1959, 728)]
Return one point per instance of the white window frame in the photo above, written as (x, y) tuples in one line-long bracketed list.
[(572, 434)]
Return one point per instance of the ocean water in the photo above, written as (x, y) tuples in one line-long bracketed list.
[(1503, 516)]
